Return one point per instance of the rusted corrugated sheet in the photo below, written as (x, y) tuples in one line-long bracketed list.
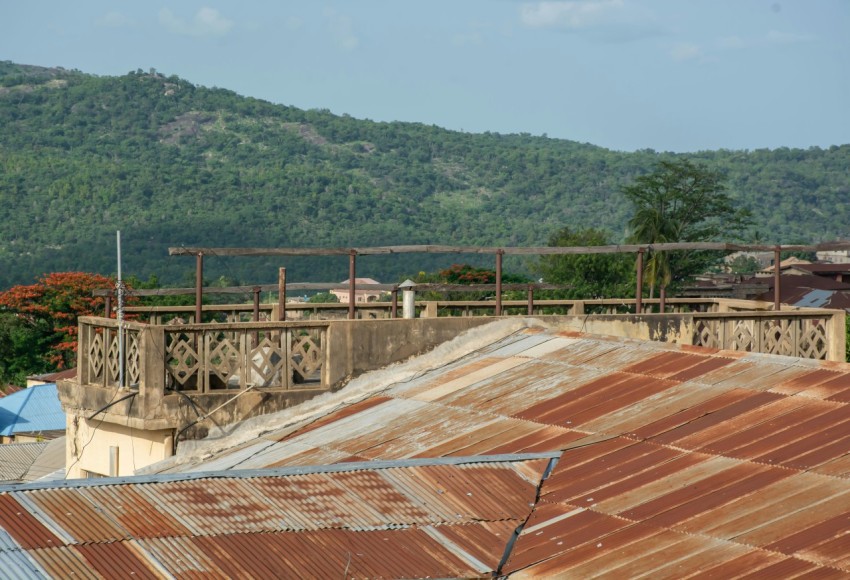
[(373, 522), (120, 560), (64, 562), (675, 462), (23, 526)]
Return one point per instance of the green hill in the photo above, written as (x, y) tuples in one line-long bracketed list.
[(170, 163)]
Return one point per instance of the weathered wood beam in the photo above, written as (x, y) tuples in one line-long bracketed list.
[(327, 286), (514, 251)]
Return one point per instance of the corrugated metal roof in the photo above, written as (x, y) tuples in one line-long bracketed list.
[(22, 462), (31, 410), (17, 458), (673, 461), (415, 518), (688, 459), (49, 461), (815, 299)]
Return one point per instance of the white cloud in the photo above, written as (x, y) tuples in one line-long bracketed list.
[(608, 20), (777, 37), (473, 38), (114, 20), (206, 22), (771, 38), (731, 42), (294, 23), (574, 15), (341, 29), (686, 51)]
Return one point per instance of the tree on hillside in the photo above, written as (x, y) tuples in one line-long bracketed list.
[(680, 201), (50, 308), (590, 275)]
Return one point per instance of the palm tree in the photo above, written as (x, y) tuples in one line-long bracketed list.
[(679, 202), (651, 224)]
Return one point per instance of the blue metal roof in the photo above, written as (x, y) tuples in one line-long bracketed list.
[(31, 410), (815, 299)]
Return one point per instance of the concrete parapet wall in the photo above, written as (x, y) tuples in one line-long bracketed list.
[(358, 346)]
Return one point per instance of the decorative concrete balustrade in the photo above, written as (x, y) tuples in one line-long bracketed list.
[(223, 356)]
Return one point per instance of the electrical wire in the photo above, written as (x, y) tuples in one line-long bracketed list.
[(94, 431)]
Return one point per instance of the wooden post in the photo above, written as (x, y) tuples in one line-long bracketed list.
[(199, 286), (255, 334), (352, 276), (531, 299), (639, 290), (777, 257), (281, 294), (499, 254), (394, 312), (107, 307)]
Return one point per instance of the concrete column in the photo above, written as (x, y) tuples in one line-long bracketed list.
[(408, 305)]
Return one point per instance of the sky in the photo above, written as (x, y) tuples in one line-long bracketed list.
[(668, 75)]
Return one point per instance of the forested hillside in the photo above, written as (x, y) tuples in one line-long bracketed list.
[(169, 164)]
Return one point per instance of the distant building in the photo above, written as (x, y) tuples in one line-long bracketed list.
[(360, 295), (784, 265), (49, 378), (835, 256), (32, 414)]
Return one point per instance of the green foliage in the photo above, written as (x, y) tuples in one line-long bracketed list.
[(322, 298), (681, 201), (23, 344), (745, 265), (590, 275), (170, 164)]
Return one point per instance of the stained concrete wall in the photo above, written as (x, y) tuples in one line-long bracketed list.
[(673, 328), (88, 446), (358, 346)]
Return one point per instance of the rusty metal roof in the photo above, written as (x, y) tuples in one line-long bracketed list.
[(676, 460), (416, 518), (673, 461)]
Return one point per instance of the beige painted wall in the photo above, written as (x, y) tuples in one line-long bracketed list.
[(89, 442)]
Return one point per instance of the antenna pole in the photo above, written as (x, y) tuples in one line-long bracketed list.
[(120, 292)]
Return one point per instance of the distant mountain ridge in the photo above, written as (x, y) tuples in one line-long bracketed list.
[(169, 163)]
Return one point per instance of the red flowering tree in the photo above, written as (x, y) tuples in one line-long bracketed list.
[(55, 303)]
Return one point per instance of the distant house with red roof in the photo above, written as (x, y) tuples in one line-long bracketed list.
[(361, 295)]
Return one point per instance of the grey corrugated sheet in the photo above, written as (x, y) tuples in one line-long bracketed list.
[(49, 461), (18, 564), (16, 459), (6, 542)]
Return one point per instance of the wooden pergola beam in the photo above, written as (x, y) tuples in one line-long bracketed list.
[(329, 286), (512, 251)]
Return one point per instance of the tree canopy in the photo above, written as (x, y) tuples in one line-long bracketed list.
[(45, 314), (681, 201), (590, 275)]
